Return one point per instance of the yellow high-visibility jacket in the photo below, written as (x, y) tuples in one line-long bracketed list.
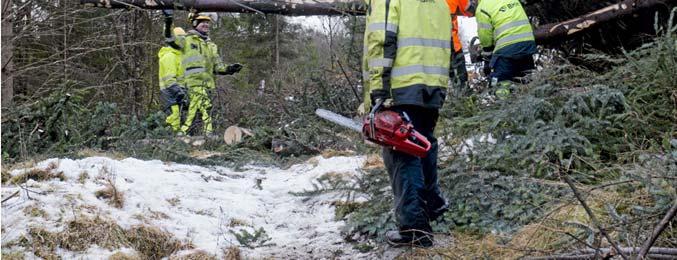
[(501, 23), (200, 59), (407, 49), (169, 72)]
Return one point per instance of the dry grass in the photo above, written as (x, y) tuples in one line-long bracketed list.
[(82, 177), (5, 175), (43, 243), (110, 192), (232, 253), (196, 255), (34, 211), (234, 222), (123, 256), (329, 153), (39, 174), (81, 233), (174, 201), (373, 161), (13, 256), (546, 236), (154, 243)]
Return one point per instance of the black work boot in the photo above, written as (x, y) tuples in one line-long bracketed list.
[(408, 238), (438, 212)]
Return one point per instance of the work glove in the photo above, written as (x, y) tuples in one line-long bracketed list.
[(234, 68), (182, 95)]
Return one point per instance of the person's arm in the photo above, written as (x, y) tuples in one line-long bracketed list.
[(381, 46), (172, 41), (485, 29), (219, 67)]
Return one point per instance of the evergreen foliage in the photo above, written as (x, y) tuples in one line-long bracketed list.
[(615, 132)]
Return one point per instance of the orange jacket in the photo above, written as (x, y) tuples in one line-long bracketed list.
[(456, 8), (454, 34), (459, 7)]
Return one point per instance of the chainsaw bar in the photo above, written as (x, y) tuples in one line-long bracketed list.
[(339, 119)]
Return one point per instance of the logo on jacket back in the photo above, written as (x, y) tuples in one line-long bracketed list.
[(508, 6)]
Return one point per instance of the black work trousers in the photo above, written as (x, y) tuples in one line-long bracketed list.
[(413, 179)]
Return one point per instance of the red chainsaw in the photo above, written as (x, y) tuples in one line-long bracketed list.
[(386, 128)]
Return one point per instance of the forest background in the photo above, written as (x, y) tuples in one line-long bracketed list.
[(598, 118)]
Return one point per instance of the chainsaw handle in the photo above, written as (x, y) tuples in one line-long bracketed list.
[(372, 116), (425, 144)]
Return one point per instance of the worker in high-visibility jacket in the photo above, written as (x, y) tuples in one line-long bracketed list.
[(507, 41), (406, 68), (172, 90), (458, 73), (200, 61)]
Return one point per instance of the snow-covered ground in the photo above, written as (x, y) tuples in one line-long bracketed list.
[(204, 205)]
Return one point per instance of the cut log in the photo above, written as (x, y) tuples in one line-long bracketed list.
[(234, 134)]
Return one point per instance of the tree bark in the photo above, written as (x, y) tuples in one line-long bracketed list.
[(553, 32), (288, 7), (7, 49), (547, 33)]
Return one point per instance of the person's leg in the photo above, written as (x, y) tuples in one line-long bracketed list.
[(501, 76), (425, 122), (205, 110), (406, 178), (460, 78), (169, 97), (524, 65), (408, 183), (195, 104), (174, 118)]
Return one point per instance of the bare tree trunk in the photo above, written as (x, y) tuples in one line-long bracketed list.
[(7, 48), (277, 42)]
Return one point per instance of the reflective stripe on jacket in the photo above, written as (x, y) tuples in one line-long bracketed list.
[(407, 51), (169, 71), (501, 23), (200, 59)]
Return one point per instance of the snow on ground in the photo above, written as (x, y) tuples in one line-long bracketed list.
[(194, 203)]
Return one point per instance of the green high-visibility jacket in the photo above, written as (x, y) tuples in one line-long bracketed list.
[(169, 72), (407, 49), (501, 23), (200, 59)]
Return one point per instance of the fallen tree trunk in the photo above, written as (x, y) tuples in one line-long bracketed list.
[(547, 33), (552, 32), (283, 7)]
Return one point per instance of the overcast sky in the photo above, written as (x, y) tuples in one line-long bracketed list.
[(468, 26)]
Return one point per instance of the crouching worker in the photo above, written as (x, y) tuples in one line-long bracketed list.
[(507, 41), (172, 91), (406, 65)]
